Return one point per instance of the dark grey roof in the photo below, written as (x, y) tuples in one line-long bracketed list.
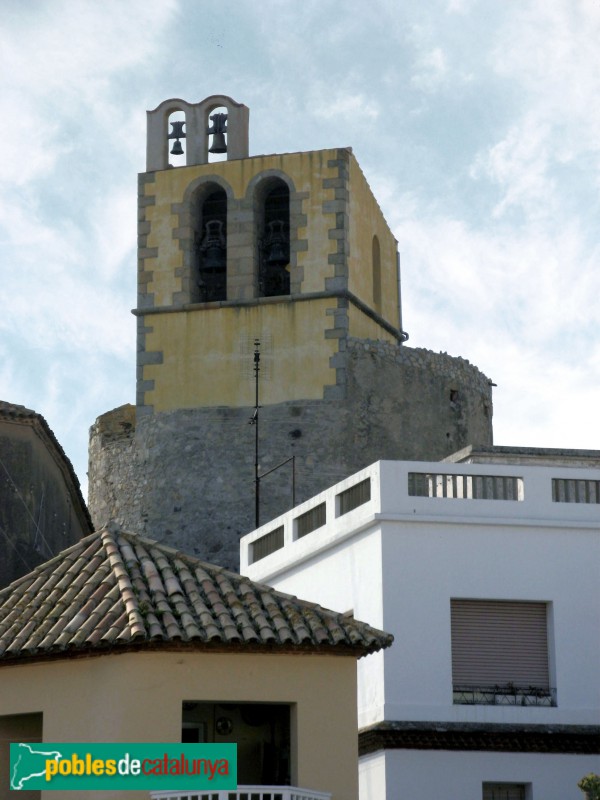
[(12, 412)]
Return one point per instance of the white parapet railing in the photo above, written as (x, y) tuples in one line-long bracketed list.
[(514, 493), (245, 793)]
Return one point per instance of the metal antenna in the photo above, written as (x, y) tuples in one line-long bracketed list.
[(254, 421)]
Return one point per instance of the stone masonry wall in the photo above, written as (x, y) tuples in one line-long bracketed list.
[(186, 477)]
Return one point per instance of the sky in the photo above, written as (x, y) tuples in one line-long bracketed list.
[(476, 123)]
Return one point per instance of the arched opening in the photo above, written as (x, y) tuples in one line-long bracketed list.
[(176, 139), (274, 240), (376, 272), (217, 135), (212, 246)]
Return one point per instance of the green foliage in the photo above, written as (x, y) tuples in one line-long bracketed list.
[(590, 784)]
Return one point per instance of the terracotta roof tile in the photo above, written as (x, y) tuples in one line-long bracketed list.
[(114, 589)]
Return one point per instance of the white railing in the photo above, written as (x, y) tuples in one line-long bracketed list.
[(245, 793), (420, 489)]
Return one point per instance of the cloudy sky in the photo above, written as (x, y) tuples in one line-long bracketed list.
[(477, 123)]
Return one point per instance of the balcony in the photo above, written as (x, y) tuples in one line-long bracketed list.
[(246, 793), (504, 696)]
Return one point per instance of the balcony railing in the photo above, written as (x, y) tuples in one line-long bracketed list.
[(245, 793), (504, 696), (518, 495)]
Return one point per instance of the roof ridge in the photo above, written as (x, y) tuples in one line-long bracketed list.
[(217, 568), (118, 588), (41, 568), (15, 412)]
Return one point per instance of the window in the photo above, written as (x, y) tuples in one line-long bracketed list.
[(193, 732), (17, 728), (262, 732), (310, 520), (354, 497), (376, 264), (267, 544), (504, 791), (212, 247), (465, 487), (274, 240), (500, 653), (565, 490)]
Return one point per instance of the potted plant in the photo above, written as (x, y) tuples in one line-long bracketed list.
[(590, 786)]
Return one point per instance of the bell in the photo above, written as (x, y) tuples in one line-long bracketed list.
[(219, 145), (177, 133), (276, 244), (218, 130), (277, 254), (213, 247)]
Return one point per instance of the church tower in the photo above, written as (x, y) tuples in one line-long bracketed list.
[(291, 250), (283, 263)]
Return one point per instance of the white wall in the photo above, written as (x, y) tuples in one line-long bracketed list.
[(348, 578), (371, 777), (435, 774), (427, 563), (399, 559)]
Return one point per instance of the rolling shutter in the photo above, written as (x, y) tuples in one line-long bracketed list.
[(497, 642)]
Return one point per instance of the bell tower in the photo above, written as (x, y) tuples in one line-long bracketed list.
[(292, 251), (279, 248)]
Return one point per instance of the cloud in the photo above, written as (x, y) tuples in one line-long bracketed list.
[(459, 6), (477, 126), (431, 69), (341, 103), (520, 166), (551, 52), (71, 139)]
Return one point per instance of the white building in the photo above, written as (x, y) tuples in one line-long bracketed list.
[(488, 576)]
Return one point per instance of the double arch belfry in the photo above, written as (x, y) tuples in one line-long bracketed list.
[(195, 131), (239, 249)]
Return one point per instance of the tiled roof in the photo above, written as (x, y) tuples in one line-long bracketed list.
[(496, 737), (114, 590)]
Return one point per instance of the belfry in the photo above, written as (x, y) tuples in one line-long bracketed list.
[(289, 256)]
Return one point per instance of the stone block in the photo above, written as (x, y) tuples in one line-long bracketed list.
[(342, 220), (336, 284), (334, 206), (148, 252), (146, 301), (334, 183), (335, 333), (299, 246)]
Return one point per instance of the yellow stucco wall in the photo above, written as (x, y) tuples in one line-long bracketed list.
[(306, 170), (363, 327), (366, 221), (137, 697), (203, 363), (200, 346)]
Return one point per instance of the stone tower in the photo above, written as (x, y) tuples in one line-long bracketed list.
[(290, 251)]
